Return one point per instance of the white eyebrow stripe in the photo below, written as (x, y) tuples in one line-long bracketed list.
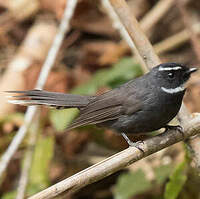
[(169, 68), (173, 90)]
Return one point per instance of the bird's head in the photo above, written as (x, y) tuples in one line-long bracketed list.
[(171, 77)]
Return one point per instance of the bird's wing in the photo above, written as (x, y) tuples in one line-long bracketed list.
[(96, 117), (108, 106)]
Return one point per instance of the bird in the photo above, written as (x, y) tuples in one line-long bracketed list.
[(139, 106)]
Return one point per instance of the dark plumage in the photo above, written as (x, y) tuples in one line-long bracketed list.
[(139, 106)]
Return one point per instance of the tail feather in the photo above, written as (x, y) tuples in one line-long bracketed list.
[(41, 97)]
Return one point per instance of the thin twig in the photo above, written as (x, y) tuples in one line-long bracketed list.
[(23, 181), (117, 162), (16, 140), (175, 40), (48, 64), (155, 14)]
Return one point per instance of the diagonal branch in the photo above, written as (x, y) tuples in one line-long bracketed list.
[(31, 111), (118, 161)]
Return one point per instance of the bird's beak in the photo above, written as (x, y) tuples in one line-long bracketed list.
[(192, 70)]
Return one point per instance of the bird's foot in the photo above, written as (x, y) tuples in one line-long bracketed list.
[(137, 145), (133, 144), (176, 128)]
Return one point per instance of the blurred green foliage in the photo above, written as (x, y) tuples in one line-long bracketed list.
[(134, 183), (13, 117), (39, 174), (119, 73), (130, 184), (176, 182), (162, 173), (9, 195)]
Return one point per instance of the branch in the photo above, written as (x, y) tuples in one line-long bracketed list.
[(48, 64), (118, 161)]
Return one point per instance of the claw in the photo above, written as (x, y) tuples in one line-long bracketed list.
[(133, 144), (180, 129), (137, 145), (176, 128)]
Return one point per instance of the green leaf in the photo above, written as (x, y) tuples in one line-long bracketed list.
[(121, 72), (62, 118), (39, 175), (177, 180), (130, 184)]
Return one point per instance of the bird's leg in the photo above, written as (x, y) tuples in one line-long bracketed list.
[(133, 144), (176, 128)]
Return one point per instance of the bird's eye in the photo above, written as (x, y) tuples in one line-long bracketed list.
[(171, 75)]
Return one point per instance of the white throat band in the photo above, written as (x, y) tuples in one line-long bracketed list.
[(173, 90)]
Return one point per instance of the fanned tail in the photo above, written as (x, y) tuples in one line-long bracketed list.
[(41, 97)]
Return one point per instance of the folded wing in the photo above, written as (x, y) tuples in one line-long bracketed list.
[(106, 107)]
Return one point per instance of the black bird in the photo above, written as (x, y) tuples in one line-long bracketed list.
[(141, 105)]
